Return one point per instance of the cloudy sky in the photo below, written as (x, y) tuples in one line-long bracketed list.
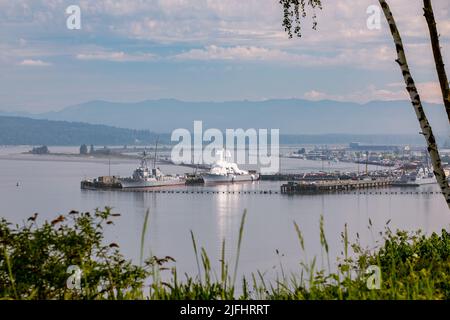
[(207, 50)]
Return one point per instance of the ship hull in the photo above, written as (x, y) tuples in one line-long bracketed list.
[(415, 183), (149, 184), (215, 178)]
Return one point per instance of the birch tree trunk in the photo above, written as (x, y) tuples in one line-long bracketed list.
[(417, 104), (440, 68)]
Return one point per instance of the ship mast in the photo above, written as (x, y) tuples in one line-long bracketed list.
[(144, 159), (156, 148), (427, 160), (367, 163)]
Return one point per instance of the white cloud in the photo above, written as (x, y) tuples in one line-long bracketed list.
[(115, 56), (315, 95), (429, 92), (342, 33), (34, 63), (214, 52), (364, 58), (231, 31)]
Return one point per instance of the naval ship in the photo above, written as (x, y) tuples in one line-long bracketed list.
[(223, 171), (145, 177), (421, 176)]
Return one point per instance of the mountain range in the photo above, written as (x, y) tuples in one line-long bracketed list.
[(291, 116)]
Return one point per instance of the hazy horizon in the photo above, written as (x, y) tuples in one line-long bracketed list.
[(290, 116), (61, 108), (207, 51)]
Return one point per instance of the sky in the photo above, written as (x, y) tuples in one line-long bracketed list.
[(208, 50)]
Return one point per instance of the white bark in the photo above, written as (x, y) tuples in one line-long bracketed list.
[(439, 62), (417, 104)]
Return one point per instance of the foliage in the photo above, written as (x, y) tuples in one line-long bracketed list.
[(83, 149), (26, 131), (34, 261), (40, 150), (294, 11)]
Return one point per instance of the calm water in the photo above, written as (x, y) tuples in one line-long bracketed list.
[(50, 186)]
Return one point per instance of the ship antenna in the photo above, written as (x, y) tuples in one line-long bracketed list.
[(156, 148), (367, 163), (196, 166), (144, 157)]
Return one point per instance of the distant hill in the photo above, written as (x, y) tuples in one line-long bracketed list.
[(292, 116), (26, 131)]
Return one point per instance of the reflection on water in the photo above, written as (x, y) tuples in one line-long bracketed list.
[(52, 187)]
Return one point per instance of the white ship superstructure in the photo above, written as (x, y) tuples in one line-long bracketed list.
[(421, 176), (224, 171)]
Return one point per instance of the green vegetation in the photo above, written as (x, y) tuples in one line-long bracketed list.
[(83, 149), (40, 150), (34, 262), (26, 131)]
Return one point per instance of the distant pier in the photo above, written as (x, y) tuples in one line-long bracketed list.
[(325, 176), (302, 177), (102, 183), (333, 186)]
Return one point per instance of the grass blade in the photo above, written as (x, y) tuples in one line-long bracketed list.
[(144, 231), (194, 244), (241, 232)]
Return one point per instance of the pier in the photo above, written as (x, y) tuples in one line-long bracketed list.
[(303, 176), (101, 183), (326, 176), (333, 186)]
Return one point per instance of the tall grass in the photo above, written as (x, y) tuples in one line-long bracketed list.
[(10, 274), (413, 266), (238, 251)]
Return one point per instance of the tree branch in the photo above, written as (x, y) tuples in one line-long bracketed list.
[(417, 104), (440, 67)]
